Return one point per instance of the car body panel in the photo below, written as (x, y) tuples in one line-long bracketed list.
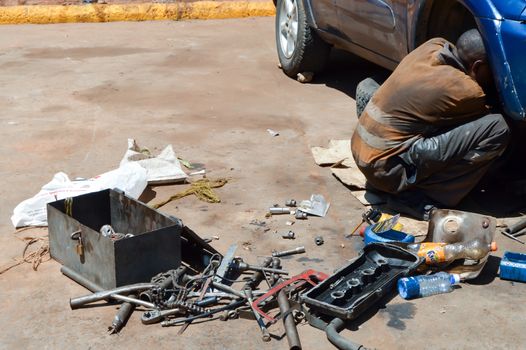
[(324, 13), (378, 25), (384, 31)]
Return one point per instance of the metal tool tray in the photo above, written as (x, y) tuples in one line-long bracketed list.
[(356, 286), (159, 244)]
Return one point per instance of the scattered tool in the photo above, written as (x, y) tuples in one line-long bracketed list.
[(239, 265), (291, 203), (298, 250), (319, 240), (122, 316), (300, 215), (511, 236), (288, 235), (312, 277), (370, 216), (278, 210)]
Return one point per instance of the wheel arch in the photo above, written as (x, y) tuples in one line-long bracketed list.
[(442, 18)]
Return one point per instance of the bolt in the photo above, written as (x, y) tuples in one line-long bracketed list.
[(291, 203), (289, 235), (300, 215)]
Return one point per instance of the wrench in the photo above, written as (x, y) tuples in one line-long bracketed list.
[(155, 316)]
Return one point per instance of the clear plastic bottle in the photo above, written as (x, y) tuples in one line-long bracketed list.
[(436, 253), (426, 285)]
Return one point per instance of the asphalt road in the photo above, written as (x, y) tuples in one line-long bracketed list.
[(72, 94)]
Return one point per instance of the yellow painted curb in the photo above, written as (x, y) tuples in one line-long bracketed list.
[(44, 14)]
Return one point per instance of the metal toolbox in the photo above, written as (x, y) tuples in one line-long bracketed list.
[(155, 246)]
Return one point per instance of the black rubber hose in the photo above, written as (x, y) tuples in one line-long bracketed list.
[(333, 334)]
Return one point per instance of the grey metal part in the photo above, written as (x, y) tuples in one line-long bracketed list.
[(288, 321), (156, 246), (80, 301), (400, 261), (122, 316), (298, 250), (155, 316), (225, 264), (94, 288), (452, 226), (277, 210)]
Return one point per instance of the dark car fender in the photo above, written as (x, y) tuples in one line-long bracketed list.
[(307, 5)]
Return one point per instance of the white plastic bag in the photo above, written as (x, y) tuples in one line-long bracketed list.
[(162, 169), (130, 178)]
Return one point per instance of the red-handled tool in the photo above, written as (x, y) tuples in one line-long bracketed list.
[(312, 277)]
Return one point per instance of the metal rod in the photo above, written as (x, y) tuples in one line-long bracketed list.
[(75, 303), (298, 250), (288, 321), (265, 335), (228, 289), (511, 236), (95, 288)]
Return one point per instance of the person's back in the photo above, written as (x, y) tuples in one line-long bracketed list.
[(431, 92)]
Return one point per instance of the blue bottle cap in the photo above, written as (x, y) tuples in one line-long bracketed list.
[(408, 287)]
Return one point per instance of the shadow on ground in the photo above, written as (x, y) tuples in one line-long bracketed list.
[(344, 71)]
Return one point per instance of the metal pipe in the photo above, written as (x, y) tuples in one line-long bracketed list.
[(95, 288), (298, 250), (75, 303), (277, 210), (516, 227), (333, 334), (288, 321), (228, 289), (122, 316)]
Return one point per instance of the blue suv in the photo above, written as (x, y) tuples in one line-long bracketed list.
[(384, 31)]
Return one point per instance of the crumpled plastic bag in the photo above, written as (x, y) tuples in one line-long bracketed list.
[(130, 178), (162, 169)]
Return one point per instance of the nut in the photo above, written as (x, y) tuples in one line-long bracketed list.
[(319, 240), (289, 235)]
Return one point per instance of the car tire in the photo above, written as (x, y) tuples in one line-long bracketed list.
[(300, 49), (364, 92)]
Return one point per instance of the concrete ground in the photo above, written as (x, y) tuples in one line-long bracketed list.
[(72, 94)]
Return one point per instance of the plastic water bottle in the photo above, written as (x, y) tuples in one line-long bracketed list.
[(436, 253), (426, 285)]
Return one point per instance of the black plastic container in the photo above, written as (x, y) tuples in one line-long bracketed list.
[(357, 286)]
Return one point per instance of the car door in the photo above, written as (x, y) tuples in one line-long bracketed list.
[(324, 13), (377, 25)]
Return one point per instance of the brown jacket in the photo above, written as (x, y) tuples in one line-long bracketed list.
[(425, 94)]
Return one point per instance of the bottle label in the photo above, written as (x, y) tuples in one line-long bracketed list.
[(434, 253)]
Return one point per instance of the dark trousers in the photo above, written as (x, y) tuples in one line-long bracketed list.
[(447, 166)]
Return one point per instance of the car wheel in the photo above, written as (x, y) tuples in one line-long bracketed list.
[(300, 49), (364, 92)]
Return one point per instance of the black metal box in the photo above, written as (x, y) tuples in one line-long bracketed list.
[(154, 248)]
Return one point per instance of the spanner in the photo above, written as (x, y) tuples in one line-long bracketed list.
[(155, 316)]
